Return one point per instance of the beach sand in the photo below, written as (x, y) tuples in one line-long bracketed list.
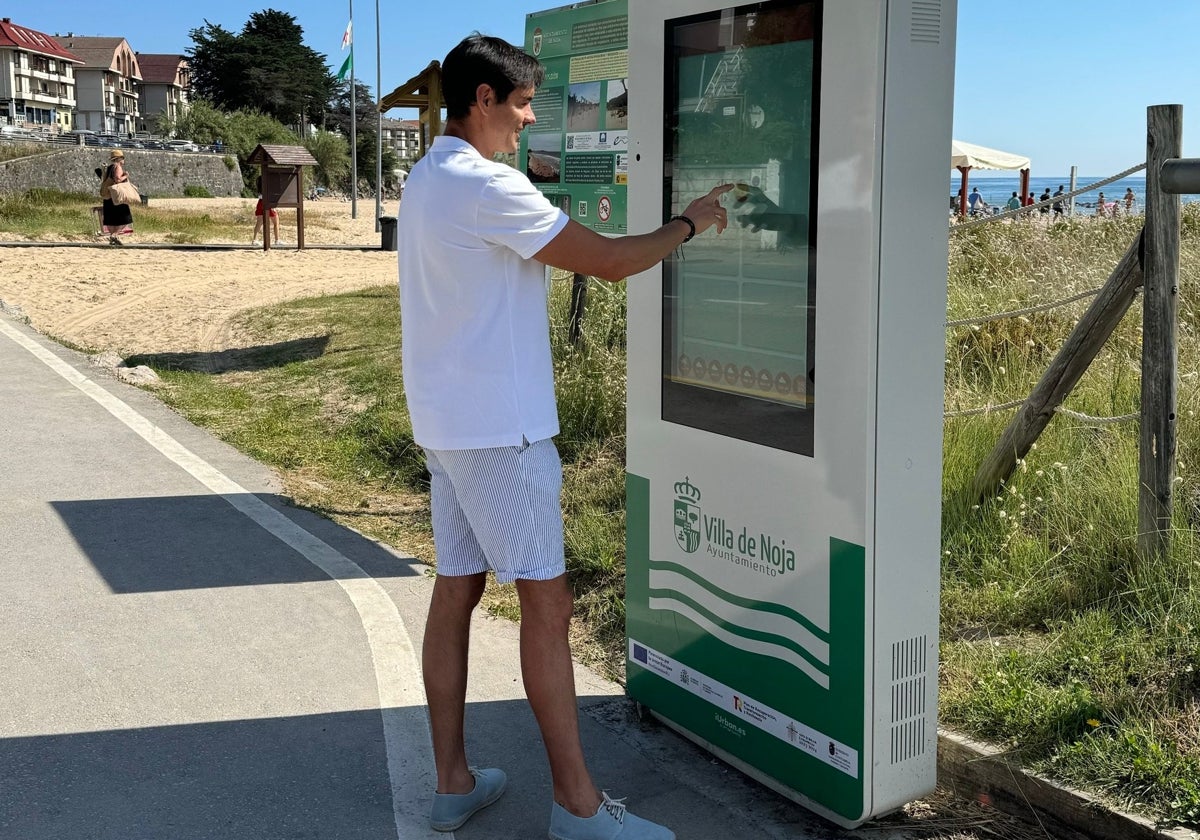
[(131, 301)]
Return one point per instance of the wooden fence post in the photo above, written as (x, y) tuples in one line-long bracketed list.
[(1156, 460), (1063, 374), (578, 305)]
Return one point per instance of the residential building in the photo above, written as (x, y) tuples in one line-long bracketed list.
[(404, 138), (166, 86), (37, 79), (106, 85)]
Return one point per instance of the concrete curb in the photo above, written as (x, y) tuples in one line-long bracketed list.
[(974, 770)]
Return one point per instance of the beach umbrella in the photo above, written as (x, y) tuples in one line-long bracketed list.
[(967, 156)]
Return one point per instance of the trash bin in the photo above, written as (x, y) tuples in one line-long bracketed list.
[(145, 200), (387, 231)]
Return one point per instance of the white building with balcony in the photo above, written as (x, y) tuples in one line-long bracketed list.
[(106, 86), (404, 138), (166, 85), (37, 79)]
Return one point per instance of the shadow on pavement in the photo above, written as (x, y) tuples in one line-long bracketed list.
[(314, 776), (168, 543)]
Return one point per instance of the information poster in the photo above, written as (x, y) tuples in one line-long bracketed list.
[(577, 151)]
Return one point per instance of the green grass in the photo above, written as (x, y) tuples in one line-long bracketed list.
[(50, 214), (20, 149), (1058, 640)]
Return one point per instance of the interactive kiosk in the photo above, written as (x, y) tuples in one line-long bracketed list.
[(785, 389)]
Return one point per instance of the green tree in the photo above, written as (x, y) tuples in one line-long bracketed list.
[(333, 158), (266, 67), (240, 132), (366, 130)]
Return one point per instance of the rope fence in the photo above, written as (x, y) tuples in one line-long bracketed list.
[(1041, 307), (1079, 416)]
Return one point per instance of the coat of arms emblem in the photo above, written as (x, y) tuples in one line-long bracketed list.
[(687, 515)]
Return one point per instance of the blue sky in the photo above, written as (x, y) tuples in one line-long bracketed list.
[(1065, 82)]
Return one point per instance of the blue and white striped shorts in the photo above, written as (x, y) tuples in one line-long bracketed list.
[(499, 509)]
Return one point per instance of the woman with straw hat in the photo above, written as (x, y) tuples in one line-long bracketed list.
[(117, 219)]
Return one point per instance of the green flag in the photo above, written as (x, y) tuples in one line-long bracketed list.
[(347, 66)]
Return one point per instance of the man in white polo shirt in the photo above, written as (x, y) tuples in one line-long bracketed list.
[(474, 239)]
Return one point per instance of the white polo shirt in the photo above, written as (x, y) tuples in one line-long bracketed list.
[(475, 331)]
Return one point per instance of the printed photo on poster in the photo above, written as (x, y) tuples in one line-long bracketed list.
[(583, 107), (545, 158), (617, 111)]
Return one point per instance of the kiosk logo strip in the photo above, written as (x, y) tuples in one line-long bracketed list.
[(735, 708)]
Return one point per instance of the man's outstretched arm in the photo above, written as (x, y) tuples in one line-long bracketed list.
[(582, 250)]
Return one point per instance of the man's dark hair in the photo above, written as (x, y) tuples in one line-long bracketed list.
[(484, 60)]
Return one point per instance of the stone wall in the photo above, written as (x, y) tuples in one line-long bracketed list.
[(155, 173)]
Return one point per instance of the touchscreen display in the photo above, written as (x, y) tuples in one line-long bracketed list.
[(739, 308)]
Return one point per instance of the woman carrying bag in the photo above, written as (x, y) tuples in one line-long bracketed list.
[(117, 218)]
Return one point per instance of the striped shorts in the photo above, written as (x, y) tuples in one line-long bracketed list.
[(499, 509)]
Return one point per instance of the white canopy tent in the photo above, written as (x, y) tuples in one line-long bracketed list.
[(967, 156)]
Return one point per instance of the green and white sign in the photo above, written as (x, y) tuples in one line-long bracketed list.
[(785, 389), (577, 152)]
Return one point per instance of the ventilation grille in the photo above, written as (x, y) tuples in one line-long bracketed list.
[(908, 698), (926, 21)]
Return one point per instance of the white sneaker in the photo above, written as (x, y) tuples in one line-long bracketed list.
[(610, 822)]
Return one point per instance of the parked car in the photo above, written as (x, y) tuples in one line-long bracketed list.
[(182, 146), (15, 132)]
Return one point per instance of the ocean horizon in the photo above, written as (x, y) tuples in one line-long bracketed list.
[(997, 189)]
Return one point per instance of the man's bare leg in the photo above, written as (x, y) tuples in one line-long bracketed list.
[(444, 662), (550, 686)]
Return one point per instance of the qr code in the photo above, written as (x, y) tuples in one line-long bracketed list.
[(582, 210)]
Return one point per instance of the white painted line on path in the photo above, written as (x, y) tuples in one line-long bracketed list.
[(397, 675)]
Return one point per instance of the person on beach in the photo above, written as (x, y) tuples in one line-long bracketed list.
[(1013, 203), (115, 219), (474, 238), (1029, 201), (1045, 196), (258, 217), (1101, 206), (1130, 198), (1058, 202), (976, 203)]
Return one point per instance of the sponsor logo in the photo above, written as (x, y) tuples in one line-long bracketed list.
[(729, 726), (639, 654)]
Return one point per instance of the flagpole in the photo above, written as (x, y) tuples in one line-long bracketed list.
[(378, 127), (353, 127)]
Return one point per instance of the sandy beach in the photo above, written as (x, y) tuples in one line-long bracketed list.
[(130, 301)]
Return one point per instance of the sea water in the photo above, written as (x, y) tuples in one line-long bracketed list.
[(997, 189)]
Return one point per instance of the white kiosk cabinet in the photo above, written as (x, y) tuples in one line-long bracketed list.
[(785, 389)]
